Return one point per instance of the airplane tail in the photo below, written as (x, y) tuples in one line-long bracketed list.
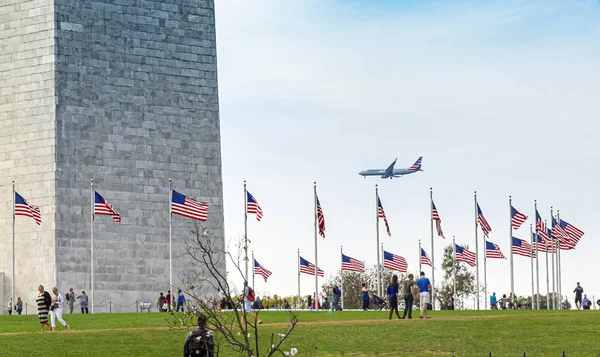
[(417, 165)]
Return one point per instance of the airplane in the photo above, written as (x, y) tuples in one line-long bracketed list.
[(390, 172)]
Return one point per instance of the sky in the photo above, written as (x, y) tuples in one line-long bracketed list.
[(498, 97)]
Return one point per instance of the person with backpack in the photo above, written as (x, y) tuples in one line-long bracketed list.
[(248, 300), (200, 341), (43, 304)]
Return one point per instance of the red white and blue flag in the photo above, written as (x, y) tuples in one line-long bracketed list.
[(320, 219), (24, 208), (465, 255), (262, 271), (573, 232), (188, 207), (425, 258), (394, 262), (521, 247), (485, 226), (492, 250), (540, 226), (101, 206), (307, 267), (253, 206), (381, 214), (351, 264), (538, 243), (517, 218), (559, 233), (438, 221)]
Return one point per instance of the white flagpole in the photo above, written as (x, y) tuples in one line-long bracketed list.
[(382, 284), (93, 199), (454, 267), (485, 292), (316, 259), (537, 268), (299, 306), (559, 270), (170, 243), (510, 242), (254, 286), (476, 252), (553, 261), (420, 256), (379, 285), (432, 250), (13, 244), (246, 229), (547, 281), (342, 276), (531, 259)]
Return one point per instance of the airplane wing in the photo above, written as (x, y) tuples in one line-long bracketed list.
[(390, 170)]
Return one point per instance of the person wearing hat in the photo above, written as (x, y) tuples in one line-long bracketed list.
[(199, 342)]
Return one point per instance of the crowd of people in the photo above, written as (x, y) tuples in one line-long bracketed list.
[(167, 303)]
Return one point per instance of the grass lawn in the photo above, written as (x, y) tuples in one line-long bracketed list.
[(458, 333)]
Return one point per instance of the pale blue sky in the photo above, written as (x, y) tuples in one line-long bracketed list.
[(500, 97)]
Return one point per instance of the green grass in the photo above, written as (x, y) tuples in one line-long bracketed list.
[(458, 333)]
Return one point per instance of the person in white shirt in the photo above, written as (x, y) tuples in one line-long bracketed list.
[(248, 305), (56, 310)]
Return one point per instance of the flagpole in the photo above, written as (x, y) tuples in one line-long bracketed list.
[(537, 266), (13, 243), (454, 267), (512, 279), (377, 237), (547, 281), (559, 270), (553, 261), (299, 306), (432, 250), (476, 251), (246, 229), (254, 286), (170, 243), (316, 259), (342, 275), (531, 259), (419, 256), (92, 244), (381, 280), (485, 292)]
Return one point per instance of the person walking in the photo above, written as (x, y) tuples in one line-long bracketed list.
[(424, 286), (169, 301), (160, 302), (408, 291), (84, 302), (248, 299), (365, 296), (70, 297), (493, 300), (19, 305), (578, 293), (180, 301), (43, 305), (56, 310), (10, 306), (450, 303), (392, 295)]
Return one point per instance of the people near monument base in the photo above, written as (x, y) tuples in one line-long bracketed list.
[(257, 304), (586, 303), (450, 302), (43, 305), (180, 301), (493, 299), (248, 300), (70, 297), (160, 302), (10, 306), (84, 302), (56, 310), (578, 293), (392, 295), (424, 286), (408, 292), (200, 341), (19, 305), (169, 301), (286, 305), (364, 296)]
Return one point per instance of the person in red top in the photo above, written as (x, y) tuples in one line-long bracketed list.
[(169, 302)]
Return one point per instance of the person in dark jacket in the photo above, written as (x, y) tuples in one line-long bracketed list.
[(365, 296), (200, 341), (392, 295)]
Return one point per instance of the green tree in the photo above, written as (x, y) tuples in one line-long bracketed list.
[(465, 280)]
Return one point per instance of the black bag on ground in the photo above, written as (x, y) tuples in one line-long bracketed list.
[(201, 344)]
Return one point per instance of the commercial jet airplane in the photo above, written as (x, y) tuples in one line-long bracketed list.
[(390, 172)]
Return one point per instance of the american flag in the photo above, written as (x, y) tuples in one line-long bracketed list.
[(101, 206), (573, 232), (381, 214), (351, 264), (262, 271), (438, 221), (24, 208), (394, 262), (538, 243), (188, 207), (558, 232), (307, 267), (517, 218), (417, 164), (521, 247), (540, 226), (425, 258), (465, 255), (492, 250), (254, 207), (320, 219), (485, 226)]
